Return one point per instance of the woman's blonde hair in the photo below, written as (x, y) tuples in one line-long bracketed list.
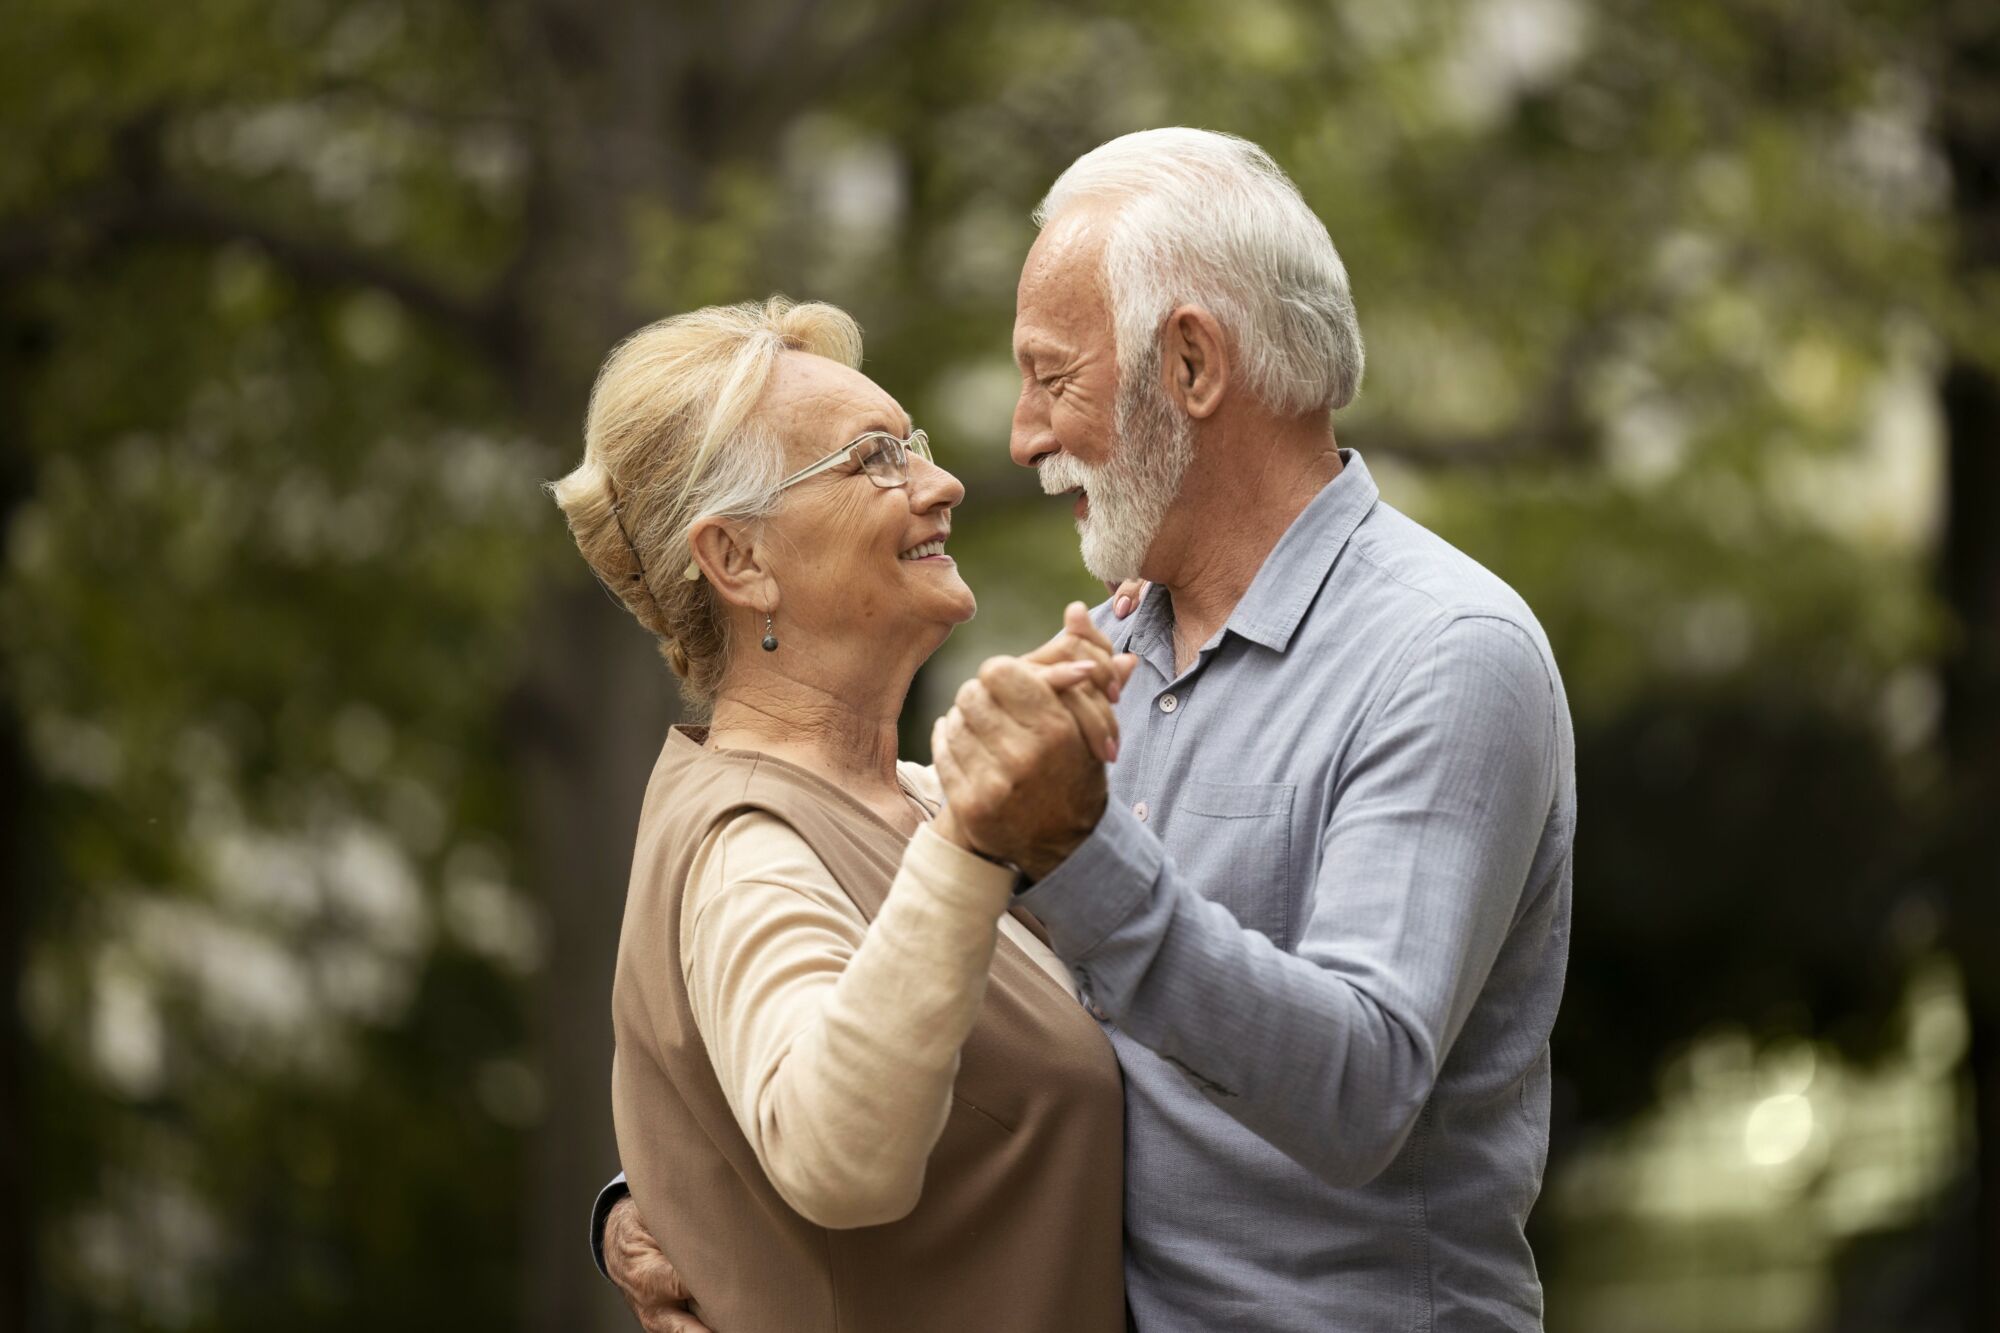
[(671, 438)]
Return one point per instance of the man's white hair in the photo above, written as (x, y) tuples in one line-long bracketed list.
[(1208, 219)]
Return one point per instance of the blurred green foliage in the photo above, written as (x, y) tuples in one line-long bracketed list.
[(299, 301)]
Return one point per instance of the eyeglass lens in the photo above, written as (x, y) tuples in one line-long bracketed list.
[(887, 461)]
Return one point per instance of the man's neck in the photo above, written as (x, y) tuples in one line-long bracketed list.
[(1238, 499)]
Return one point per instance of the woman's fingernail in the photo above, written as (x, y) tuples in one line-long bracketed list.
[(1122, 607), (1112, 756)]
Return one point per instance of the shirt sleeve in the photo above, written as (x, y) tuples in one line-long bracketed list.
[(1330, 1052), (836, 1042), (600, 1212)]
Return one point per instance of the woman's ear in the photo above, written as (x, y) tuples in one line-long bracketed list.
[(1197, 360), (734, 564)]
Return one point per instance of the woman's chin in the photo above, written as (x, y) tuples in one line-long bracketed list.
[(949, 618), (955, 604)]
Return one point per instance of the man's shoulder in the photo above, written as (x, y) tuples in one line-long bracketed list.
[(1407, 563)]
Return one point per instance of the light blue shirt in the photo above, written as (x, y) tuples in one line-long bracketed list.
[(1325, 917)]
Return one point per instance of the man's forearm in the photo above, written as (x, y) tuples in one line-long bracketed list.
[(1330, 1052), (1291, 1049)]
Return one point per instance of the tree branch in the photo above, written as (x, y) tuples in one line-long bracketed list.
[(94, 226)]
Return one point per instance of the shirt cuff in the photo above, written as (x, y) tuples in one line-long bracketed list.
[(1107, 879), (607, 1198)]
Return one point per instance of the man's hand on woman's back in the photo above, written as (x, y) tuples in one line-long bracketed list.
[(651, 1285)]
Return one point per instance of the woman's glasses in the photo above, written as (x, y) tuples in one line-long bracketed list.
[(883, 458)]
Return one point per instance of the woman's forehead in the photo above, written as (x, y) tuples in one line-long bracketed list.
[(813, 398)]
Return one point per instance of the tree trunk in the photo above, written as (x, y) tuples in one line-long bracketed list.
[(588, 732), (16, 1190), (592, 710), (1969, 575), (23, 866)]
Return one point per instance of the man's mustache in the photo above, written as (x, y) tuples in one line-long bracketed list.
[(1060, 474)]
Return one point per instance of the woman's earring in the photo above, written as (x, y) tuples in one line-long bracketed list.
[(770, 639)]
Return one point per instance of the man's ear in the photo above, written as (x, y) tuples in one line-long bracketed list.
[(733, 562), (1197, 361)]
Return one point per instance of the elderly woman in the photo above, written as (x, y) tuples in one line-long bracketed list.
[(853, 1090)]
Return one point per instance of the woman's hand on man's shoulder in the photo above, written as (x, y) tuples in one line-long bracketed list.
[(1126, 596)]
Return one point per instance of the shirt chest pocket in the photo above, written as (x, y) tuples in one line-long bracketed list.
[(1233, 842)]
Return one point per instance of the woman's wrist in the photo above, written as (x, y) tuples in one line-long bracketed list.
[(946, 827)]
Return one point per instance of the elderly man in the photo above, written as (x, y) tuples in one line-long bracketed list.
[(1324, 911)]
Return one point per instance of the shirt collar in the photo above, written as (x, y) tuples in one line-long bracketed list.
[(1298, 565), (1291, 577)]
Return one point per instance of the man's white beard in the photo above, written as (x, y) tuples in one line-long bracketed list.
[(1130, 492)]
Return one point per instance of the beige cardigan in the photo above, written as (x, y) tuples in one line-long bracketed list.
[(1014, 1223), (836, 1045)]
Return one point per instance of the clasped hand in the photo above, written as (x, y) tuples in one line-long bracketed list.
[(1021, 754)]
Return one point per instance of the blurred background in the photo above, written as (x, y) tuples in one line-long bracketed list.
[(320, 751)]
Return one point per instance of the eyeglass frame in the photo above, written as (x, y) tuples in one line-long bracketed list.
[(918, 442)]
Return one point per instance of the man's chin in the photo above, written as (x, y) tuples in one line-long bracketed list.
[(1106, 569)]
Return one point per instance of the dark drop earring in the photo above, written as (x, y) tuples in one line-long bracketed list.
[(770, 639)]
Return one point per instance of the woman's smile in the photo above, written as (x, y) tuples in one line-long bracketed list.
[(929, 551)]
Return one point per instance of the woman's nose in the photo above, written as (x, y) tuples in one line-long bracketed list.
[(932, 487)]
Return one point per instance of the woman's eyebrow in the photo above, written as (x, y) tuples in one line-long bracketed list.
[(886, 425)]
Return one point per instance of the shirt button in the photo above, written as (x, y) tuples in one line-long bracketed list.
[(1168, 703), (1140, 811)]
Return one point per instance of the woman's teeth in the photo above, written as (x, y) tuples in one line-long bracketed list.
[(919, 552)]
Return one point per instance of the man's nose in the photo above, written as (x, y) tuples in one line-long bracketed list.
[(1031, 439)]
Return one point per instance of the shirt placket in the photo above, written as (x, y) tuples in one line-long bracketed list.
[(1164, 711)]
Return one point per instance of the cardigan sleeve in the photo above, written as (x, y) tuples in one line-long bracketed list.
[(836, 1043)]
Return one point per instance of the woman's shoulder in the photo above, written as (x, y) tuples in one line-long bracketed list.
[(754, 872), (750, 840), (753, 848), (697, 790)]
